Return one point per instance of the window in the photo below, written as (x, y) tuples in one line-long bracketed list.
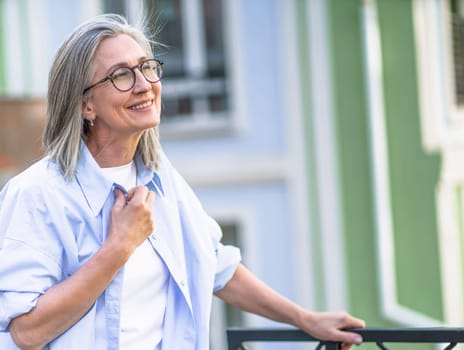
[(196, 97), (114, 6), (457, 30), (234, 316), (439, 32)]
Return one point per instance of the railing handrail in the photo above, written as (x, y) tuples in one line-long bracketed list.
[(452, 336)]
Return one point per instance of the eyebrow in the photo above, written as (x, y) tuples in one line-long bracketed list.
[(122, 64)]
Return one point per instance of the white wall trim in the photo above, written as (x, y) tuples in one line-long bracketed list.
[(232, 169), (297, 174), (37, 19), (380, 174), (443, 132), (442, 119), (331, 228), (450, 244), (431, 84), (235, 61), (13, 50)]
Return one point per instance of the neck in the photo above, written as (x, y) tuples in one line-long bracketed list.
[(112, 153)]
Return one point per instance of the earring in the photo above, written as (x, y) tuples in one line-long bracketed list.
[(91, 122)]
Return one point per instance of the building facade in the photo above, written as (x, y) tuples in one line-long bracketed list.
[(324, 136)]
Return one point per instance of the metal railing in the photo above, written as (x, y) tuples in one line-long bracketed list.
[(236, 337)]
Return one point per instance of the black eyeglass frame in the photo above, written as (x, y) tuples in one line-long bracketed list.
[(132, 69)]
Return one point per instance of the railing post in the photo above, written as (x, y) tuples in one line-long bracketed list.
[(331, 346), (233, 340)]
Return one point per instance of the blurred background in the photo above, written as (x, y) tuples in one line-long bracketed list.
[(325, 136)]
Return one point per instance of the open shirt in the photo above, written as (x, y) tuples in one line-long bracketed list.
[(49, 227)]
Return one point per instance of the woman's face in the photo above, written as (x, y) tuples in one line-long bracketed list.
[(121, 115)]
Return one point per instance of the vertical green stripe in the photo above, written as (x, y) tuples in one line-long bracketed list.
[(353, 147), (414, 173), (304, 66), (2, 51)]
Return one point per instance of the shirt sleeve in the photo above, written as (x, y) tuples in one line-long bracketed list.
[(27, 263), (227, 256)]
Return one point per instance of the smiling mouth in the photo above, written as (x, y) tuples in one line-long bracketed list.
[(141, 105)]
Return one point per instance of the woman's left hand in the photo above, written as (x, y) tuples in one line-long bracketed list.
[(331, 325)]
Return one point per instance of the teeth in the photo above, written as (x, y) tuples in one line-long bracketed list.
[(142, 105)]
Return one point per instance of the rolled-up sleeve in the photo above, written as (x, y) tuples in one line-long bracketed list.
[(28, 261), (228, 258), (25, 274)]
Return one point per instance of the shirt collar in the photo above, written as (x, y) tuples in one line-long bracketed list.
[(148, 177), (92, 181), (96, 187)]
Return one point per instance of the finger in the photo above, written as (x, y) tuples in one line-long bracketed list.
[(349, 337), (150, 197), (130, 193), (119, 199), (357, 323), (137, 194)]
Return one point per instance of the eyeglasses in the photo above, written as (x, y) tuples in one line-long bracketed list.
[(123, 79)]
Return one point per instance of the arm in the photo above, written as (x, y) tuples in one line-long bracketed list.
[(65, 303), (248, 293)]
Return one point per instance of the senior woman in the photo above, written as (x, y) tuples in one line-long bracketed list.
[(103, 244)]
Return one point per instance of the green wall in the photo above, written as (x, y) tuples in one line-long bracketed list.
[(413, 173), (354, 157)]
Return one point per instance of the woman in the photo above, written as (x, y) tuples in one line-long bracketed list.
[(103, 244)]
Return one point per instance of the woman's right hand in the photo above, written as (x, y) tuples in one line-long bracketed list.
[(131, 220), (63, 304)]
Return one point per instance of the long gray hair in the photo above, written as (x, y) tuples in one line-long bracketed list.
[(70, 74)]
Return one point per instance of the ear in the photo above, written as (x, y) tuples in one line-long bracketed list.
[(88, 111)]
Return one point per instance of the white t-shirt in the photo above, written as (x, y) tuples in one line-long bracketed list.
[(144, 289)]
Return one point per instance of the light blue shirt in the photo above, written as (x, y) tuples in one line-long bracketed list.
[(50, 227)]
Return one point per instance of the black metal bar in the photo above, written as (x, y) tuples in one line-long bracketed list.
[(453, 336), (412, 335), (380, 345), (450, 346)]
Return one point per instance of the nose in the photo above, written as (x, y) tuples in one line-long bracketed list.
[(141, 84)]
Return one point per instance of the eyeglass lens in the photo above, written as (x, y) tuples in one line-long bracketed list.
[(124, 78)]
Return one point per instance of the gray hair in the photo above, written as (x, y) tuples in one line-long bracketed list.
[(71, 72)]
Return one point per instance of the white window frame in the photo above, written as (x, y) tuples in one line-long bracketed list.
[(244, 216), (442, 119), (443, 132), (200, 123)]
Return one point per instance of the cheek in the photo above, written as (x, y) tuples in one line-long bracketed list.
[(157, 89), (109, 108), (109, 99)]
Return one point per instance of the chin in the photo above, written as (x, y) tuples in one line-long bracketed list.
[(156, 123), (153, 122)]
